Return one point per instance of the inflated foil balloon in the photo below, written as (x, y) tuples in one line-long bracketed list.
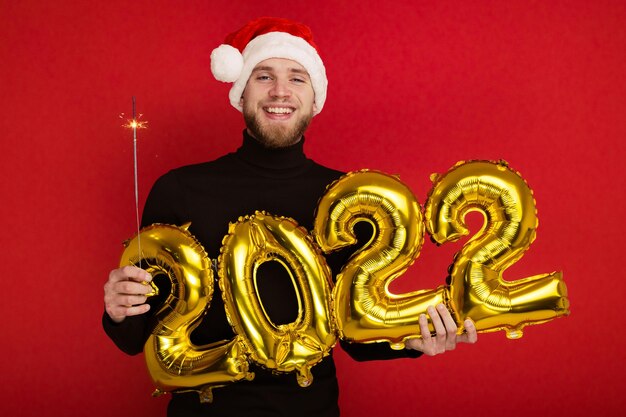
[(295, 346), (173, 361), (477, 287), (365, 309)]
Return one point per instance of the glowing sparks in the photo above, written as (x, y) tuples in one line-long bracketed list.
[(134, 123)]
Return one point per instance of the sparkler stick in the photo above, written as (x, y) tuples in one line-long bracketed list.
[(135, 124)]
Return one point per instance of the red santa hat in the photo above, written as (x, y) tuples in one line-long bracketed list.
[(261, 39)]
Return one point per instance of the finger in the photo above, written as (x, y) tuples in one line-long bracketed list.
[(440, 330), (471, 334), (113, 292), (415, 344), (424, 330), (426, 342), (129, 272), (132, 288), (113, 300), (136, 310), (120, 312), (450, 326), (129, 300)]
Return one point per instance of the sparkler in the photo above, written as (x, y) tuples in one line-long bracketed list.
[(135, 124)]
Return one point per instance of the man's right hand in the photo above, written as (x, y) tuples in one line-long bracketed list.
[(125, 293)]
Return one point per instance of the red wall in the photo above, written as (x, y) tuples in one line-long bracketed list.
[(414, 87)]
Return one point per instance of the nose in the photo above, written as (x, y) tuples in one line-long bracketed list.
[(280, 89)]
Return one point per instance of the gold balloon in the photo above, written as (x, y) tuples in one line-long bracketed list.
[(174, 363), (303, 343), (365, 309), (477, 288)]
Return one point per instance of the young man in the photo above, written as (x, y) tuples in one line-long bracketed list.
[(279, 85)]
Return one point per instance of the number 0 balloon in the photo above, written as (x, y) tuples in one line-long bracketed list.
[(295, 346)]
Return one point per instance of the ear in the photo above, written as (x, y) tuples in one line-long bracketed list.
[(314, 108), (241, 101)]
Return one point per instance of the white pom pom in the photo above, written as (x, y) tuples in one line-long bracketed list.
[(226, 63)]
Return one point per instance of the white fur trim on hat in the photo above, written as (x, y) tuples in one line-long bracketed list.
[(280, 45)]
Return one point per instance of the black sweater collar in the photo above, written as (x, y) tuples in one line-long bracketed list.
[(288, 159)]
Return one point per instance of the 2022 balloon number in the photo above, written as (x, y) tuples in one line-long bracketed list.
[(359, 307)]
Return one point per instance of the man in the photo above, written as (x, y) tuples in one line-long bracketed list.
[(279, 85)]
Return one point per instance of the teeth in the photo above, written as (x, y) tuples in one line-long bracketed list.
[(279, 110)]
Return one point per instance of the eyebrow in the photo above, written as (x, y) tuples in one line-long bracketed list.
[(268, 68)]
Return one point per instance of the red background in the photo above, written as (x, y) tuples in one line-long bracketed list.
[(414, 87)]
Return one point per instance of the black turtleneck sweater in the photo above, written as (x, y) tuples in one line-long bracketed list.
[(210, 195)]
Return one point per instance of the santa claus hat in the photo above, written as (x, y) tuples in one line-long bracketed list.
[(261, 39)]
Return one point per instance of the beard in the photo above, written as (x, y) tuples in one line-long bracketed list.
[(276, 136)]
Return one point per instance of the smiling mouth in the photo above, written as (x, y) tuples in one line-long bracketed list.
[(279, 110)]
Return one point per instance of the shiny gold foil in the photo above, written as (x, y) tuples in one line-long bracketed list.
[(174, 363), (296, 346), (366, 311), (478, 289)]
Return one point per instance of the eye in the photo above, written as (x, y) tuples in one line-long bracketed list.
[(299, 80), (261, 75)]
